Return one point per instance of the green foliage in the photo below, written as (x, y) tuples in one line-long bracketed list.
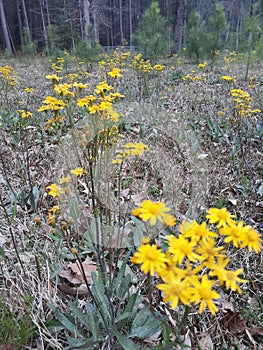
[(217, 26), (29, 46), (195, 36), (89, 52), (152, 35), (251, 32), (14, 330), (102, 318)]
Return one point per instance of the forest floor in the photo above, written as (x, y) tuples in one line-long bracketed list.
[(60, 190)]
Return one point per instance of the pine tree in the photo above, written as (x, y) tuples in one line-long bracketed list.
[(217, 29), (195, 35), (152, 35)]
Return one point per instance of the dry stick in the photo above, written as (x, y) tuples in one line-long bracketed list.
[(12, 234)]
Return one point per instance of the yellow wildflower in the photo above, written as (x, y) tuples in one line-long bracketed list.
[(151, 211), (220, 216), (55, 190), (175, 290), (78, 171), (152, 259), (204, 295)]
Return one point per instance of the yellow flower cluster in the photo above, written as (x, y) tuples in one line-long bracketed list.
[(129, 150), (115, 73), (228, 78), (52, 103), (242, 102), (159, 67), (141, 64), (193, 265), (233, 57), (202, 65), (23, 114), (8, 75)]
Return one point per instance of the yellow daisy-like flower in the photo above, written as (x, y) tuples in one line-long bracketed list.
[(28, 90), (159, 67), (175, 290), (204, 295), (169, 220), (252, 240), (151, 211), (87, 100), (78, 171), (208, 251), (220, 216), (54, 78), (234, 233), (115, 73), (181, 248), (152, 259), (228, 277), (54, 209), (195, 231), (55, 190)]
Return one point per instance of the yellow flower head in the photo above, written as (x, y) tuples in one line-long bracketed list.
[(152, 259), (252, 240), (151, 211), (175, 290), (220, 216), (115, 73), (78, 171), (204, 295), (28, 90), (181, 248), (55, 190)]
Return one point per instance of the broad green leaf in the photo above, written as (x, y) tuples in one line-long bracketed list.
[(145, 324), (125, 342), (65, 321)]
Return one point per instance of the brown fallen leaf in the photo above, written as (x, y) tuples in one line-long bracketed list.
[(233, 322), (73, 281), (256, 330)]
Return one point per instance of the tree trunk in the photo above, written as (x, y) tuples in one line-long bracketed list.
[(5, 28), (26, 19), (86, 19), (120, 18), (130, 22), (20, 27), (180, 9), (44, 28)]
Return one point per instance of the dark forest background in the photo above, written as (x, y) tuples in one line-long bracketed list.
[(34, 26)]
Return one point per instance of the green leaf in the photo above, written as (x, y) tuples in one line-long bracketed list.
[(76, 344), (98, 290), (80, 315), (130, 309), (2, 253), (66, 321), (93, 319), (74, 212), (145, 324), (125, 342)]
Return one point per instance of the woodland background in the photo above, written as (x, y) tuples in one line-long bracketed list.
[(34, 26)]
